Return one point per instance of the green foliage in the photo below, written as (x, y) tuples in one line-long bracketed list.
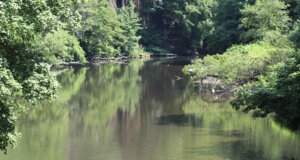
[(101, 34), (129, 21), (262, 17), (268, 66), (192, 19), (41, 85), (212, 26), (185, 25), (278, 92), (293, 9), (21, 20), (35, 34), (59, 47), (226, 21), (24, 74), (295, 36), (156, 50), (151, 40), (152, 32), (108, 34), (9, 89), (67, 12), (239, 63)]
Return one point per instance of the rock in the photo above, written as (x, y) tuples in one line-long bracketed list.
[(212, 81)]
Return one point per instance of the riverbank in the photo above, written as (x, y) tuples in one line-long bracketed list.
[(102, 60), (119, 60)]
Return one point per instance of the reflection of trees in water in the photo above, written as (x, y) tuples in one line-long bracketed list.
[(161, 95), (71, 82), (263, 136), (115, 111), (107, 88), (44, 127), (171, 121), (88, 100), (161, 91)]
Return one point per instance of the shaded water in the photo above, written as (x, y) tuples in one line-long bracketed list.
[(140, 111)]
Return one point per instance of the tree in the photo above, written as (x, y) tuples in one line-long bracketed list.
[(9, 88), (101, 34), (129, 21), (24, 73), (58, 47), (192, 19), (226, 21), (185, 25), (278, 92), (263, 17), (293, 9)]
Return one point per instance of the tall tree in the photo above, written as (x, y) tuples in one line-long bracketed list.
[(262, 18), (24, 73), (226, 21), (192, 20), (101, 34), (130, 23)]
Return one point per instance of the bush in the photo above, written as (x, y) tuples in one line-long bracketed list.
[(278, 92), (40, 85), (36, 83), (239, 63), (60, 46)]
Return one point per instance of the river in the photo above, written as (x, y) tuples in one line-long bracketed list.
[(144, 111)]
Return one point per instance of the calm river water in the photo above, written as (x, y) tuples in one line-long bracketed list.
[(143, 111)]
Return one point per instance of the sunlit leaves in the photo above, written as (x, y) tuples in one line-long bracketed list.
[(9, 89), (60, 47), (101, 34), (262, 17), (278, 92), (129, 21), (24, 73), (238, 64)]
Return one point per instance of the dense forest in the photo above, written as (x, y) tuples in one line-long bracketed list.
[(252, 43)]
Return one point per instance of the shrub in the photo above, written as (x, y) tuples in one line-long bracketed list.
[(239, 63), (278, 92), (60, 46)]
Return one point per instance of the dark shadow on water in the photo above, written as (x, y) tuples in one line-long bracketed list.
[(181, 120)]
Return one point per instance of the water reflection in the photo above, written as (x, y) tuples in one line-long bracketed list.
[(182, 119), (254, 138), (141, 111)]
